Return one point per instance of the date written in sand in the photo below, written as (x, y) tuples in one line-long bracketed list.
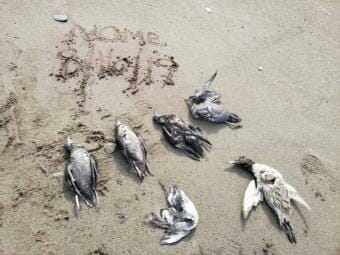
[(110, 52)]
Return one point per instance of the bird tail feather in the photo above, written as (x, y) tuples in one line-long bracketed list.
[(288, 229)]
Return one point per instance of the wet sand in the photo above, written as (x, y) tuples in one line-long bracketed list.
[(278, 68)]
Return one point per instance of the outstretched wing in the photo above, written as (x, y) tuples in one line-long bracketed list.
[(205, 85), (293, 194), (252, 197)]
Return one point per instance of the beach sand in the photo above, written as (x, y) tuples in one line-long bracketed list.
[(278, 69)]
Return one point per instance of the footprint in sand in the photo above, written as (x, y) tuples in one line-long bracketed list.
[(318, 176)]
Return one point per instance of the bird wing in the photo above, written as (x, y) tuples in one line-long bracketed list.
[(205, 85), (195, 143), (213, 97), (177, 140), (210, 110), (133, 149), (70, 179), (174, 236), (142, 143), (166, 219), (94, 172), (203, 111), (198, 132), (252, 197), (192, 126), (74, 184), (188, 151), (182, 225), (179, 228), (277, 197), (177, 222), (170, 135), (293, 194)]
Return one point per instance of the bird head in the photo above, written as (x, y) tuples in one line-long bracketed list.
[(68, 145), (244, 163), (117, 122), (160, 119)]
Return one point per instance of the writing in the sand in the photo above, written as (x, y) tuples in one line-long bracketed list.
[(111, 52)]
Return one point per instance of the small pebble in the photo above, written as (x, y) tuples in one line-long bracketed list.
[(208, 10), (260, 68), (60, 17), (110, 147)]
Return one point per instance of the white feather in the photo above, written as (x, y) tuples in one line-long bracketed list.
[(173, 238), (252, 198), (293, 194)]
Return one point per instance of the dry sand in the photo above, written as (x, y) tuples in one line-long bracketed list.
[(278, 64)]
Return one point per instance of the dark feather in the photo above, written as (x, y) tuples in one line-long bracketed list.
[(287, 228)]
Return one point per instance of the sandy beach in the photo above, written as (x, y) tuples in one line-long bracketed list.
[(278, 69)]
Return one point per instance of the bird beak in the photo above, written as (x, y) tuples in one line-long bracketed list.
[(117, 122), (68, 140)]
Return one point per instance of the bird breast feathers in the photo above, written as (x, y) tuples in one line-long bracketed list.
[(80, 155), (128, 137), (189, 206), (264, 171)]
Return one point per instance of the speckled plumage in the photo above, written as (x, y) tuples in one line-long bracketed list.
[(133, 149), (183, 135), (268, 184)]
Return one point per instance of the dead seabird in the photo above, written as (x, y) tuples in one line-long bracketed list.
[(81, 173), (269, 184), (179, 219), (183, 135), (205, 104), (133, 149)]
